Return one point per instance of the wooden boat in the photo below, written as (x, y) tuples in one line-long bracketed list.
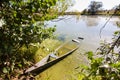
[(46, 62)]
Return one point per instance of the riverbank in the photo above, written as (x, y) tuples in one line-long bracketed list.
[(102, 12), (39, 51)]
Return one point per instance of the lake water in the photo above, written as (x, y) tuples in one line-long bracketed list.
[(72, 27)]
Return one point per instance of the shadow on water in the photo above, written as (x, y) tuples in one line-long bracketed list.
[(62, 37)]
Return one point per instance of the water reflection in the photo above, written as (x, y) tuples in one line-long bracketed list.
[(87, 27), (91, 21)]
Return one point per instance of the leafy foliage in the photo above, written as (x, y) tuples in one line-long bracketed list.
[(105, 65), (23, 25)]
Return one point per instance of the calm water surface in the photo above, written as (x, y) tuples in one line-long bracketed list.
[(71, 27)]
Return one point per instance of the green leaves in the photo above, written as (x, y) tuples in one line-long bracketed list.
[(20, 29), (90, 54), (116, 32), (6, 70), (105, 63)]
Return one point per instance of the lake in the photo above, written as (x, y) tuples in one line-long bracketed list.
[(70, 27)]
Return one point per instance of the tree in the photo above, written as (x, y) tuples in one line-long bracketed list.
[(117, 9), (94, 7), (20, 28)]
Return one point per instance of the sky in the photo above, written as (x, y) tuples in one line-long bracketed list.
[(80, 5)]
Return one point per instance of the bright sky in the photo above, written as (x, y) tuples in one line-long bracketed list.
[(80, 5)]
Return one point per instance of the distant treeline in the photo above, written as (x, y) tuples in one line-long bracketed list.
[(95, 8), (102, 12), (99, 12), (71, 13)]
